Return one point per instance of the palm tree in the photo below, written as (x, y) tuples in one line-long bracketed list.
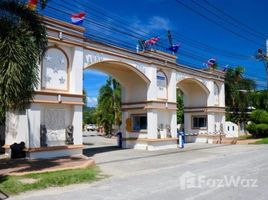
[(260, 99), (237, 94), (22, 42), (108, 112)]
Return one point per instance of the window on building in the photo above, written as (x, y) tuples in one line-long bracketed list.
[(199, 122), (139, 122), (161, 79)]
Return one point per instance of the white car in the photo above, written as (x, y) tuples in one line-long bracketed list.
[(91, 127)]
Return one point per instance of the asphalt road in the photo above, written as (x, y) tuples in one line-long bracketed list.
[(200, 171)]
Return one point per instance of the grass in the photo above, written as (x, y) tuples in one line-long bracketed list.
[(261, 141), (245, 137), (13, 185)]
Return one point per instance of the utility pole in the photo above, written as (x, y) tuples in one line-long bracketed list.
[(261, 56)]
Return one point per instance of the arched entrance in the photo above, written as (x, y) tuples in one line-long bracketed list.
[(134, 83), (134, 87), (195, 100)]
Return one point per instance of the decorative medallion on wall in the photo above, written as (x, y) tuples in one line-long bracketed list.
[(55, 69)]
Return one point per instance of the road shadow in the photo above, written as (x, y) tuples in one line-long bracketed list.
[(26, 165), (3, 195), (95, 150)]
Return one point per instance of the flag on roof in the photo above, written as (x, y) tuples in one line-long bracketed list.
[(32, 4), (211, 62), (78, 18), (225, 68), (174, 48), (152, 41)]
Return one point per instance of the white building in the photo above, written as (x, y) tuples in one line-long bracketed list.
[(149, 80)]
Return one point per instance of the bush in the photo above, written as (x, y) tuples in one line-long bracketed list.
[(259, 117), (258, 130), (262, 130), (252, 128)]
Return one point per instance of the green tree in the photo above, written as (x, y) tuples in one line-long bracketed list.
[(260, 99), (22, 42), (180, 107), (108, 112), (237, 94), (89, 115)]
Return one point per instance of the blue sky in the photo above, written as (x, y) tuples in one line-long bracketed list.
[(155, 17)]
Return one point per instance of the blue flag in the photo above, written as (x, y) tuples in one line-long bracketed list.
[(174, 48)]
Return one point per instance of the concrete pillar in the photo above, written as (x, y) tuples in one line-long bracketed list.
[(172, 87), (211, 123), (34, 120), (173, 124), (77, 123), (211, 97), (152, 89), (152, 124), (222, 95), (76, 71)]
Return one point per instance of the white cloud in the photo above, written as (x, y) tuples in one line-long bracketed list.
[(92, 101), (153, 24)]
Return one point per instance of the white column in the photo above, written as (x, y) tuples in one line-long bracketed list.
[(173, 124), (77, 124), (211, 97), (211, 123), (76, 71), (34, 120), (187, 123), (152, 124), (172, 87), (222, 95), (152, 89)]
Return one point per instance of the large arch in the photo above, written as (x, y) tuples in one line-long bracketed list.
[(134, 83)]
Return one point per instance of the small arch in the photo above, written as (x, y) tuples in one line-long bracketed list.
[(195, 92), (196, 81), (216, 93), (43, 73), (161, 78)]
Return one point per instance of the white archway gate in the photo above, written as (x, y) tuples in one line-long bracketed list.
[(149, 80)]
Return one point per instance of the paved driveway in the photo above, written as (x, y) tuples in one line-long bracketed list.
[(200, 171)]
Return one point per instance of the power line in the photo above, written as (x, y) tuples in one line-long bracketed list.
[(215, 22), (254, 31), (224, 20)]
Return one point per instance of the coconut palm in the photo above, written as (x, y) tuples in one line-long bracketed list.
[(108, 112), (237, 94), (22, 42)]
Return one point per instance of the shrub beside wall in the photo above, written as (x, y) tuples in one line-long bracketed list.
[(259, 125)]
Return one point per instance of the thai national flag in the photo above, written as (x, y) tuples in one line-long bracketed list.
[(78, 18), (211, 62), (152, 41)]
